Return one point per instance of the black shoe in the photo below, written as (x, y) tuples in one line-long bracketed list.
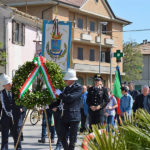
[(41, 141)]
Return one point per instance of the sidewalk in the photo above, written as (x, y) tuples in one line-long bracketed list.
[(31, 136)]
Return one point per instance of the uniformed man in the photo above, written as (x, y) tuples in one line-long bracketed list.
[(10, 114), (97, 99), (71, 116)]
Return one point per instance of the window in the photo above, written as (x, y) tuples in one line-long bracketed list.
[(107, 56), (80, 53), (104, 29), (90, 81), (92, 26), (80, 80), (102, 56), (92, 55), (18, 33), (80, 23)]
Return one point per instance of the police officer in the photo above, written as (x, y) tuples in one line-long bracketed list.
[(97, 99), (10, 114), (71, 116)]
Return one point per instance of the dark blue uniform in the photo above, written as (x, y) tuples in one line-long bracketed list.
[(8, 123), (71, 98), (97, 96)]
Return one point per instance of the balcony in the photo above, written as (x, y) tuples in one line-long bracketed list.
[(84, 36)]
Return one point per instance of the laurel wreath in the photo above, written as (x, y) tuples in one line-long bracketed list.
[(37, 96), (60, 56)]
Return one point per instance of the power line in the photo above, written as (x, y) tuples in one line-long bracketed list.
[(138, 30)]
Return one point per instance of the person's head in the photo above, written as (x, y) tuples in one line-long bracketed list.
[(6, 82), (145, 90), (131, 86), (123, 84), (84, 88), (70, 77), (127, 87), (109, 91), (98, 80), (124, 90)]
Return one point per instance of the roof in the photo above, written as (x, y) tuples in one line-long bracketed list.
[(23, 15), (145, 48), (74, 3), (77, 3)]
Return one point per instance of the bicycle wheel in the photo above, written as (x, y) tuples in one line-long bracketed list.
[(34, 117)]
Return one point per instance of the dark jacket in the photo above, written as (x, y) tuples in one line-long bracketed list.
[(139, 102), (11, 106), (134, 93), (71, 98), (97, 97)]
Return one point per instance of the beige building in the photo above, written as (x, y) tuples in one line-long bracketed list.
[(145, 49), (87, 17)]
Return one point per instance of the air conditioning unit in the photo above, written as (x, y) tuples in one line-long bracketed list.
[(86, 37), (97, 39), (109, 41)]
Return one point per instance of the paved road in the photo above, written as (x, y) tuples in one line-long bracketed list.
[(31, 136)]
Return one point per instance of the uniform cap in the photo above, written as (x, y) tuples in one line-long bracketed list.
[(98, 77)]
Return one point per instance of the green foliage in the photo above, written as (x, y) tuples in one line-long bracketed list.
[(132, 61), (2, 58), (39, 96), (134, 134)]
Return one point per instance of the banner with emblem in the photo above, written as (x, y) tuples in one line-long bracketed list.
[(56, 42)]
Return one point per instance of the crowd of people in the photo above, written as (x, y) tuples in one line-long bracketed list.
[(88, 105)]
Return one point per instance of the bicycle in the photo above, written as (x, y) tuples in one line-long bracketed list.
[(35, 116)]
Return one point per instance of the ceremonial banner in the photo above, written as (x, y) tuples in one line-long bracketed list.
[(56, 42)]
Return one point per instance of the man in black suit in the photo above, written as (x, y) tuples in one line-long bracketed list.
[(71, 116), (143, 100), (134, 93), (10, 114), (97, 99)]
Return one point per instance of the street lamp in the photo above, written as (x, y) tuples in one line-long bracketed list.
[(100, 45)]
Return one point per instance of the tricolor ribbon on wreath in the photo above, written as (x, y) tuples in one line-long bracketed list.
[(39, 67)]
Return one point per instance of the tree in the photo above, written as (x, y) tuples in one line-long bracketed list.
[(132, 61), (2, 58)]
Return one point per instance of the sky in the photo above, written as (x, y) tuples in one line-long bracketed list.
[(137, 12)]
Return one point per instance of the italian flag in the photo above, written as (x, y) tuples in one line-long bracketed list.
[(117, 88)]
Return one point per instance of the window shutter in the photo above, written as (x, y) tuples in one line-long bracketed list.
[(13, 32), (80, 53), (92, 55), (107, 56), (23, 34)]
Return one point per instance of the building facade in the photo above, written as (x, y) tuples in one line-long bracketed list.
[(18, 31), (145, 49), (88, 32)]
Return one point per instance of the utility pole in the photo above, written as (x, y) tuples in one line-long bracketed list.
[(111, 55)]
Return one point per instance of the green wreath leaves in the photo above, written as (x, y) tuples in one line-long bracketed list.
[(38, 96)]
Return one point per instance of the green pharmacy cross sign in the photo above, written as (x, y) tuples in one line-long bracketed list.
[(118, 55)]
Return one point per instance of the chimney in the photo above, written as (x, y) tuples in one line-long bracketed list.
[(144, 41)]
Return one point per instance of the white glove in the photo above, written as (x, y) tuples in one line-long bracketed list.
[(57, 92)]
